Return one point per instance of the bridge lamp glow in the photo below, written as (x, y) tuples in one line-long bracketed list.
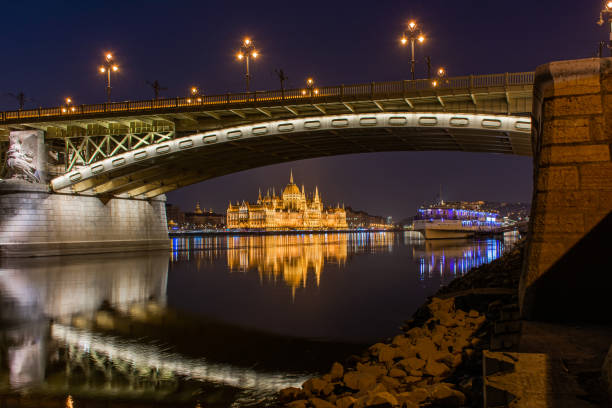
[(421, 38), (115, 68), (254, 54), (247, 41), (247, 51), (411, 35), (239, 56), (194, 90), (68, 101), (412, 25), (609, 5), (102, 70), (404, 40), (109, 56)]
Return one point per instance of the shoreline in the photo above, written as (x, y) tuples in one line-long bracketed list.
[(452, 349)]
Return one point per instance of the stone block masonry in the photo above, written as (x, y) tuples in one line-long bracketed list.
[(563, 275), (35, 222)]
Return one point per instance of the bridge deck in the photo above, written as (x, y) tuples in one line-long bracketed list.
[(508, 93)]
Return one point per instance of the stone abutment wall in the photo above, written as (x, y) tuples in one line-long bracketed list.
[(566, 275), (36, 222)]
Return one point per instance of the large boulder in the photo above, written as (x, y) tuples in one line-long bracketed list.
[(345, 402), (359, 381), (336, 372), (435, 369), (444, 395), (425, 348), (401, 340), (381, 400), (416, 396), (386, 354), (321, 403), (376, 370), (397, 373), (298, 404), (412, 364), (316, 386), (290, 394)]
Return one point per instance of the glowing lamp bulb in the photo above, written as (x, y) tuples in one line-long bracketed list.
[(434, 83), (441, 71), (63, 110), (102, 69), (609, 5), (73, 109), (109, 56), (254, 54), (404, 40), (68, 100), (240, 56), (115, 68), (303, 92), (412, 25), (421, 38), (316, 91), (309, 81), (247, 41), (194, 90)]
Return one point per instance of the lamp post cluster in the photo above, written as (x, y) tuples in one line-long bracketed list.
[(108, 67), (247, 51), (605, 16), (411, 36)]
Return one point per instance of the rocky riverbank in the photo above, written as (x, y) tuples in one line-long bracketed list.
[(437, 359)]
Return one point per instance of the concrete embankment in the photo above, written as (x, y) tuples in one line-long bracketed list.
[(437, 359)]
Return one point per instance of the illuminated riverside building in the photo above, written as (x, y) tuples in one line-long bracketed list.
[(294, 209)]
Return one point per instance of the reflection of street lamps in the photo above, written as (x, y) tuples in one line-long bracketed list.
[(607, 13), (247, 50), (107, 68), (411, 35)]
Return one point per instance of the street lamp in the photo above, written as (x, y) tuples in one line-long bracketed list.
[(247, 50), (194, 91), (440, 74), (310, 89), (108, 66), (68, 106), (412, 34)]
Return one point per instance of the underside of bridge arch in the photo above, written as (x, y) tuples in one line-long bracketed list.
[(226, 151)]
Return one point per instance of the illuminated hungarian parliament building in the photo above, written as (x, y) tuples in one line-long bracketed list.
[(293, 210)]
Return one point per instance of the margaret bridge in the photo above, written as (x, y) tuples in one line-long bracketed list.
[(147, 148)]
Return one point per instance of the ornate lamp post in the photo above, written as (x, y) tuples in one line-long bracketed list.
[(412, 34), (310, 89), (67, 108), (247, 50), (108, 66), (195, 93), (440, 75), (606, 13)]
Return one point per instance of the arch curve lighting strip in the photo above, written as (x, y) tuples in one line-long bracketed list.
[(510, 124)]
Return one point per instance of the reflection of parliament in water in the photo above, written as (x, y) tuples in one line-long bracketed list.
[(292, 210), (287, 257)]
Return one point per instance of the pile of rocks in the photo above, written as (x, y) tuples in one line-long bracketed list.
[(412, 370)]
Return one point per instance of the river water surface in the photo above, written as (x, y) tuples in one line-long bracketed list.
[(219, 321)]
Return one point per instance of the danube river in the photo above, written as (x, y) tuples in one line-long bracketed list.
[(218, 321)]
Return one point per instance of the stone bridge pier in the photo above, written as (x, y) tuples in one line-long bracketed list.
[(567, 275), (35, 221)]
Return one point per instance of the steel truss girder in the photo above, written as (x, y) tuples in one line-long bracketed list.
[(85, 150)]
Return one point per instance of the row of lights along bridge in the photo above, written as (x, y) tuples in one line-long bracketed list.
[(411, 36), (248, 53)]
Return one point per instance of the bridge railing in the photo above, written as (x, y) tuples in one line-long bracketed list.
[(373, 90)]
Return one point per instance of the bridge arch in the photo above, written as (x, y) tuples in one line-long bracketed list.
[(163, 167)]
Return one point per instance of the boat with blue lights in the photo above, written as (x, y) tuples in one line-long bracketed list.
[(460, 219)]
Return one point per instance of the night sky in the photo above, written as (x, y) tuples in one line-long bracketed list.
[(51, 50)]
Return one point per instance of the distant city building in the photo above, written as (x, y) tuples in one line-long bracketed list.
[(294, 209), (199, 219), (174, 215), (362, 220)]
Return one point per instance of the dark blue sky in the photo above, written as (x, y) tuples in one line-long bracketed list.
[(51, 50)]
